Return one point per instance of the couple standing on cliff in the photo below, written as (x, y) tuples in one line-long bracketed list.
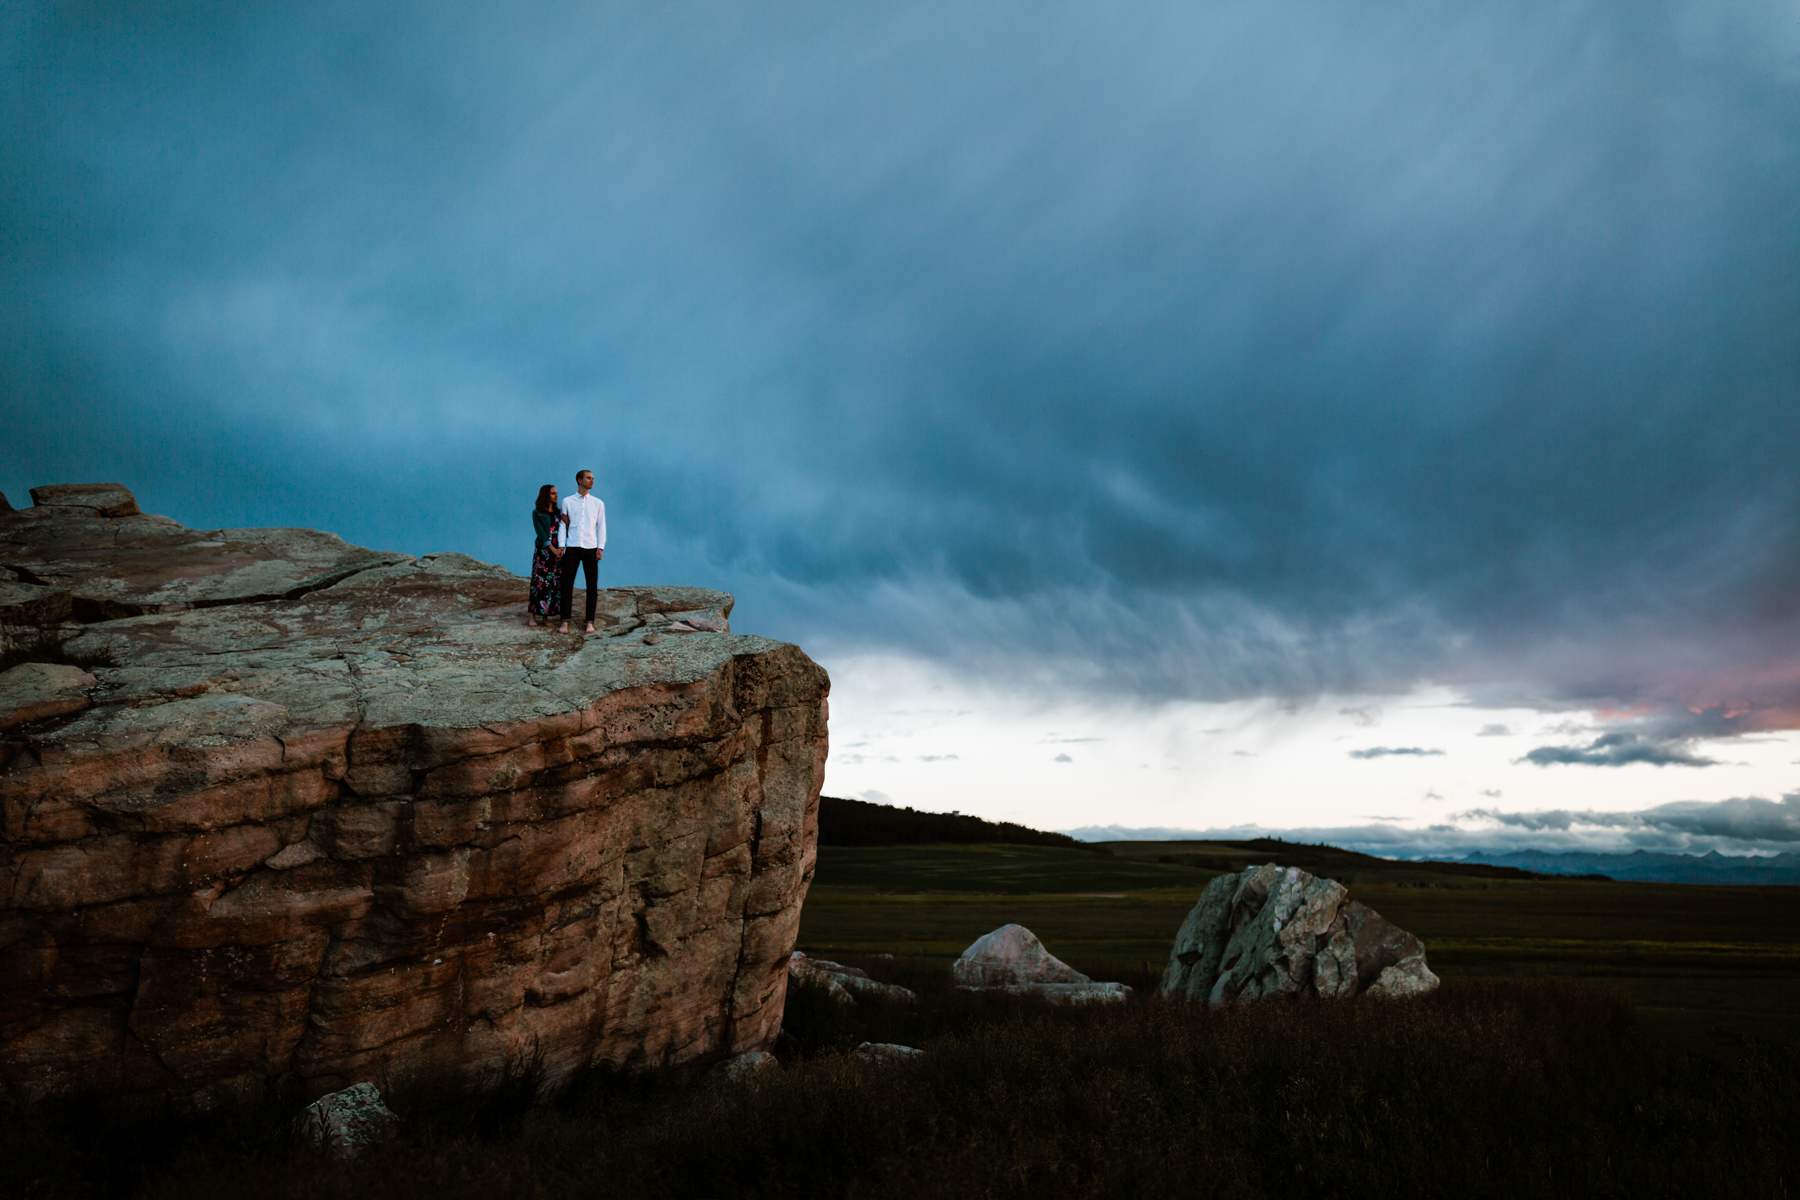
[(569, 534)]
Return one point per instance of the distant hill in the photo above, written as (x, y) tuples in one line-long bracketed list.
[(860, 823), (1644, 866), (844, 822)]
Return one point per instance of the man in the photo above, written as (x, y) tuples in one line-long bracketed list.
[(585, 542)]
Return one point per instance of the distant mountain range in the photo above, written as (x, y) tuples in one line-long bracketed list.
[(1644, 866)]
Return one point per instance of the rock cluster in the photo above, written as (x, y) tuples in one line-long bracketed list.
[(1011, 959), (1279, 931), (278, 811), (844, 984)]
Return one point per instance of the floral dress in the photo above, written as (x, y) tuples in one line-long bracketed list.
[(546, 565)]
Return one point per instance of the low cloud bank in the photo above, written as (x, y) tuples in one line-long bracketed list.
[(1747, 819), (1741, 825)]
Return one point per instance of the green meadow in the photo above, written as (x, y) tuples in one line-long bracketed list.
[(1696, 962)]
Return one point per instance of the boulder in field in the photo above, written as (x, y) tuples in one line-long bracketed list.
[(1011, 959), (1279, 931)]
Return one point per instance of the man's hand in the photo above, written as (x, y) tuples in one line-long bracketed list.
[(599, 554)]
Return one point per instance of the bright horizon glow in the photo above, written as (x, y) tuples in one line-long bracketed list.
[(908, 732)]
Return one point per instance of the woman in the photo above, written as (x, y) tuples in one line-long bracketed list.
[(546, 559)]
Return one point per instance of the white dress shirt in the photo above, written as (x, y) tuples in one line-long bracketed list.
[(587, 522)]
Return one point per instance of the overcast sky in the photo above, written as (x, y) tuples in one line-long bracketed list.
[(1309, 370)]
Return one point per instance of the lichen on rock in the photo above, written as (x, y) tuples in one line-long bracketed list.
[(279, 811)]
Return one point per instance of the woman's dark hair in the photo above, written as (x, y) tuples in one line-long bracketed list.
[(543, 500)]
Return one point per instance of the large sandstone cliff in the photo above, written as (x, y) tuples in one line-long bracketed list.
[(280, 812)]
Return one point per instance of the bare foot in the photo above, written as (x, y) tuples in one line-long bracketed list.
[(590, 628), (565, 627)]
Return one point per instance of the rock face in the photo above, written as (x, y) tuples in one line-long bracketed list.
[(1278, 931), (1011, 959), (278, 812)]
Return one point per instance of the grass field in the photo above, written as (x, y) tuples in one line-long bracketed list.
[(1697, 962), (1591, 1039)]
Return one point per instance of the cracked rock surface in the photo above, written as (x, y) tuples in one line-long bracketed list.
[(1280, 931), (279, 812)]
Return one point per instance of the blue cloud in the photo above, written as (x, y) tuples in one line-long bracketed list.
[(1211, 353)]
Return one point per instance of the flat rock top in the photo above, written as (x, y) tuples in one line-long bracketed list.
[(156, 631)]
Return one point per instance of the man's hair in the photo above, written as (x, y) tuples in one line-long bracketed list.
[(583, 471)]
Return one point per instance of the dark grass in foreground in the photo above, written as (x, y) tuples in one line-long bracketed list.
[(1482, 1090)]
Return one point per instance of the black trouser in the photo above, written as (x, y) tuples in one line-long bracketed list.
[(590, 562)]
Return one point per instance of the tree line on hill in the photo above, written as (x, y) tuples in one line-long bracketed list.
[(844, 822)]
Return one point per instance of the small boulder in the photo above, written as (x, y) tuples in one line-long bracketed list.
[(346, 1123), (1011, 959), (886, 1052), (844, 984), (1279, 931), (751, 1064)]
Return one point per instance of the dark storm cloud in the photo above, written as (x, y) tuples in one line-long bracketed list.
[(1395, 752), (1618, 750), (1224, 350)]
